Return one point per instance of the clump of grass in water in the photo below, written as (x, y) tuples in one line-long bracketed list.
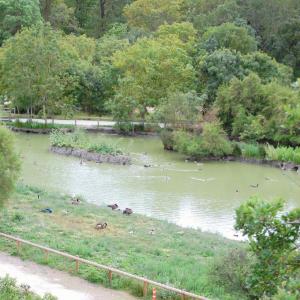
[(79, 140), (35, 125)]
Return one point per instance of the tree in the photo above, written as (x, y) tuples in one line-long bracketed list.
[(34, 69), (153, 68), (230, 36), (267, 68), (15, 14), (251, 110), (179, 110), (273, 240), (203, 13), (9, 164), (150, 14), (218, 68)]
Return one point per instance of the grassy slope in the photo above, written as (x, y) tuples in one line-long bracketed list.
[(173, 255)]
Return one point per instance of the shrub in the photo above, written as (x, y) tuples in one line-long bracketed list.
[(232, 270), (167, 138), (272, 236), (211, 143), (10, 290)]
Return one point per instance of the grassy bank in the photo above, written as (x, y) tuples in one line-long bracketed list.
[(173, 255)]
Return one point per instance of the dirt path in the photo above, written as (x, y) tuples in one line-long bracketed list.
[(43, 279)]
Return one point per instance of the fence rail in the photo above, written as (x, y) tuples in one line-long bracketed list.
[(146, 282)]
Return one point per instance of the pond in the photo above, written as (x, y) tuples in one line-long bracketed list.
[(199, 195)]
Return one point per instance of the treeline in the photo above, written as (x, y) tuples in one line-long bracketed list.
[(181, 62)]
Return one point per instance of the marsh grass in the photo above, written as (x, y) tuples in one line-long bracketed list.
[(35, 125), (173, 255), (79, 140)]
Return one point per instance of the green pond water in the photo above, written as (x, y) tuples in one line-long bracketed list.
[(199, 195)]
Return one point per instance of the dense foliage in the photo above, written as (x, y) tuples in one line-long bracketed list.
[(9, 164), (273, 238)]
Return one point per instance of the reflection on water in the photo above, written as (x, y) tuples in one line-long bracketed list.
[(200, 195)]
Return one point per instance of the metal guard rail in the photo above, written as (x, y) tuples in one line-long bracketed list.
[(110, 270)]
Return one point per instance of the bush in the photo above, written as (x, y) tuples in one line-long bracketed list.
[(232, 270), (167, 138), (211, 143), (287, 154), (10, 290)]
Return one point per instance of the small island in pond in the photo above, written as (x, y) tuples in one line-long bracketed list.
[(77, 144)]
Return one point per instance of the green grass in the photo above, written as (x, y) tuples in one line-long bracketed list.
[(286, 154), (80, 140), (173, 255), (252, 150)]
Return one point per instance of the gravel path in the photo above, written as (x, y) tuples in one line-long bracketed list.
[(43, 279)]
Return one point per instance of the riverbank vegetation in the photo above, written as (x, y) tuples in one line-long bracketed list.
[(202, 263), (10, 290), (213, 143), (144, 246), (9, 164), (34, 125)]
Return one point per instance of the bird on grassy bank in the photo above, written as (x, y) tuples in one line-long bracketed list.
[(101, 225), (113, 206), (127, 211), (47, 210), (75, 201)]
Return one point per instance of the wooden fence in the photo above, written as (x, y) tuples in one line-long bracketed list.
[(110, 271)]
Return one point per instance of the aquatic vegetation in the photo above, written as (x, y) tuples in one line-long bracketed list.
[(34, 125), (287, 154), (79, 140)]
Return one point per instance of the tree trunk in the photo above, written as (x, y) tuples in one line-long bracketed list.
[(47, 9)]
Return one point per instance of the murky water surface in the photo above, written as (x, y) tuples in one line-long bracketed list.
[(189, 194)]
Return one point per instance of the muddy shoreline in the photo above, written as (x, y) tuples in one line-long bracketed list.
[(287, 166), (120, 159)]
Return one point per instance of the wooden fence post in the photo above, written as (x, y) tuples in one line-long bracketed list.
[(18, 246), (77, 266), (46, 255), (145, 289), (110, 277)]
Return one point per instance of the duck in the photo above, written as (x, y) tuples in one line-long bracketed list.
[(76, 201), (127, 211), (254, 186), (113, 206), (101, 225)]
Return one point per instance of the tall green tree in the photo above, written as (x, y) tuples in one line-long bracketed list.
[(152, 68), (230, 36), (150, 14), (33, 69), (15, 14), (9, 164)]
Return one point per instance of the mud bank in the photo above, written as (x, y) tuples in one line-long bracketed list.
[(38, 130), (272, 163), (93, 156)]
